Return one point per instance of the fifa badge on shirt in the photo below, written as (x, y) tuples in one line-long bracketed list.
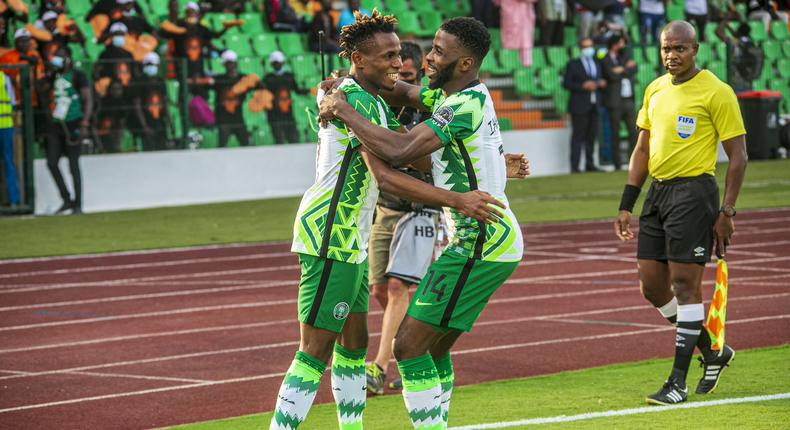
[(685, 126)]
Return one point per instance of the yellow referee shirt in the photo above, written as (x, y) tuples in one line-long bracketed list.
[(686, 123)]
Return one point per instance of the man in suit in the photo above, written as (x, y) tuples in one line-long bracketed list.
[(618, 96), (584, 77)]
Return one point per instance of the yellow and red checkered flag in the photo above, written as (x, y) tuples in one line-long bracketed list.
[(718, 307)]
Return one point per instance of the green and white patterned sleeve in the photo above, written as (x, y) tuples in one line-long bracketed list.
[(458, 117), (367, 106)]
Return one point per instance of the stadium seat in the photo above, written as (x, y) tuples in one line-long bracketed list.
[(159, 8), (291, 43), (783, 67), (263, 135), (549, 79), (786, 48), (370, 4), (77, 8), (538, 57), (568, 38), (422, 6), (557, 56), (719, 68), (431, 20), (510, 60), (524, 81), (772, 49), (250, 65), (252, 24), (264, 44), (496, 38), (710, 32), (645, 74), (704, 54), (398, 8), (239, 44), (505, 124), (489, 64), (172, 91), (560, 99), (758, 31), (675, 11), (779, 30), (408, 24)]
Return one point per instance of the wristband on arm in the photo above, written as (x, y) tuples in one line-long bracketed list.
[(628, 200)]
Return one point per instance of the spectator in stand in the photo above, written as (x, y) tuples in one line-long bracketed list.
[(61, 35), (115, 62), (552, 15), (615, 12), (113, 113), (518, 27), (723, 9), (7, 104), (195, 42), (150, 107), (619, 70), (651, 19), (6, 17), (745, 57), (584, 77), (761, 10), (347, 15), (322, 21), (134, 21), (23, 53), (229, 101), (228, 6), (281, 16), (697, 14), (67, 92), (486, 11), (281, 117), (587, 21)]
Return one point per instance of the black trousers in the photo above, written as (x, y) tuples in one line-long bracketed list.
[(699, 21), (284, 130), (585, 128), (239, 130), (623, 112), (552, 33), (64, 139)]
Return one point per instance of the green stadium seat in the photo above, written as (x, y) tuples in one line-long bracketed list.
[(291, 43), (758, 31), (635, 36), (568, 38), (159, 8), (496, 38), (264, 44), (408, 24), (560, 99), (239, 44), (370, 4), (422, 6), (721, 51), (172, 91), (449, 8), (783, 67), (772, 49), (431, 20), (704, 54), (489, 64), (760, 84), (252, 24), (675, 11), (399, 8), (645, 74), (741, 8), (710, 32), (557, 56), (651, 55), (779, 30), (77, 8), (464, 8), (250, 65), (767, 72), (263, 135), (786, 48), (524, 81), (718, 68), (549, 81), (216, 66), (210, 137), (510, 60), (538, 57), (638, 55), (505, 124)]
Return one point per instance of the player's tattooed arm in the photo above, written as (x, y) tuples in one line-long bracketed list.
[(476, 204)]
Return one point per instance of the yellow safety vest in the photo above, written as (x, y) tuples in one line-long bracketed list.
[(6, 110)]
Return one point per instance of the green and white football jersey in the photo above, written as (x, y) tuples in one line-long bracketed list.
[(336, 212), (472, 158)]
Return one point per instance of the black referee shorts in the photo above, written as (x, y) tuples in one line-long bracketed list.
[(677, 220)]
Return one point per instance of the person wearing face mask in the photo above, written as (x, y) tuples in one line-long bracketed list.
[(60, 36), (584, 77), (151, 119), (193, 43), (67, 92), (115, 62), (281, 116), (229, 101), (134, 20)]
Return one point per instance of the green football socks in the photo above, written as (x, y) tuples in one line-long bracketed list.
[(297, 392), (422, 392), (444, 367), (349, 386)]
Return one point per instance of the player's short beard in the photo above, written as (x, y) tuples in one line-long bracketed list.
[(445, 75)]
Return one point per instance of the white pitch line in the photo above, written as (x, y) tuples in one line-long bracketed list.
[(147, 265), (280, 374), (145, 377), (623, 412), (599, 322)]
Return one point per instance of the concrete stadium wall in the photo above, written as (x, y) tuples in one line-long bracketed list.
[(171, 178)]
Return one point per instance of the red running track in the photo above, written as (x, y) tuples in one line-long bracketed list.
[(151, 339)]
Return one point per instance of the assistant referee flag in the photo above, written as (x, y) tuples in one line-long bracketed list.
[(718, 307)]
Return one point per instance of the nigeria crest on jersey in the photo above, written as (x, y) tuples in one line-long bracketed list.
[(685, 126)]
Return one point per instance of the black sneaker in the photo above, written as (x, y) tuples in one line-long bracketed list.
[(67, 205), (375, 378), (396, 384), (671, 393), (714, 367)]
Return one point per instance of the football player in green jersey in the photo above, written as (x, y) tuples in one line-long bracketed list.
[(332, 226), (463, 139)]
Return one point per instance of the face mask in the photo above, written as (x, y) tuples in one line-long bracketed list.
[(588, 52), (192, 20), (129, 12), (57, 62), (150, 69), (118, 41)]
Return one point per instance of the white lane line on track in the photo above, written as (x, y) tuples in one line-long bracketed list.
[(623, 412), (145, 377), (147, 265), (376, 334), (271, 303), (280, 374), (600, 322)]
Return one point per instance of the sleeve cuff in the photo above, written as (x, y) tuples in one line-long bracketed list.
[(439, 132), (731, 135)]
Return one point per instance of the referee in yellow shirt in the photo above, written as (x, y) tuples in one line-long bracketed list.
[(684, 115)]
